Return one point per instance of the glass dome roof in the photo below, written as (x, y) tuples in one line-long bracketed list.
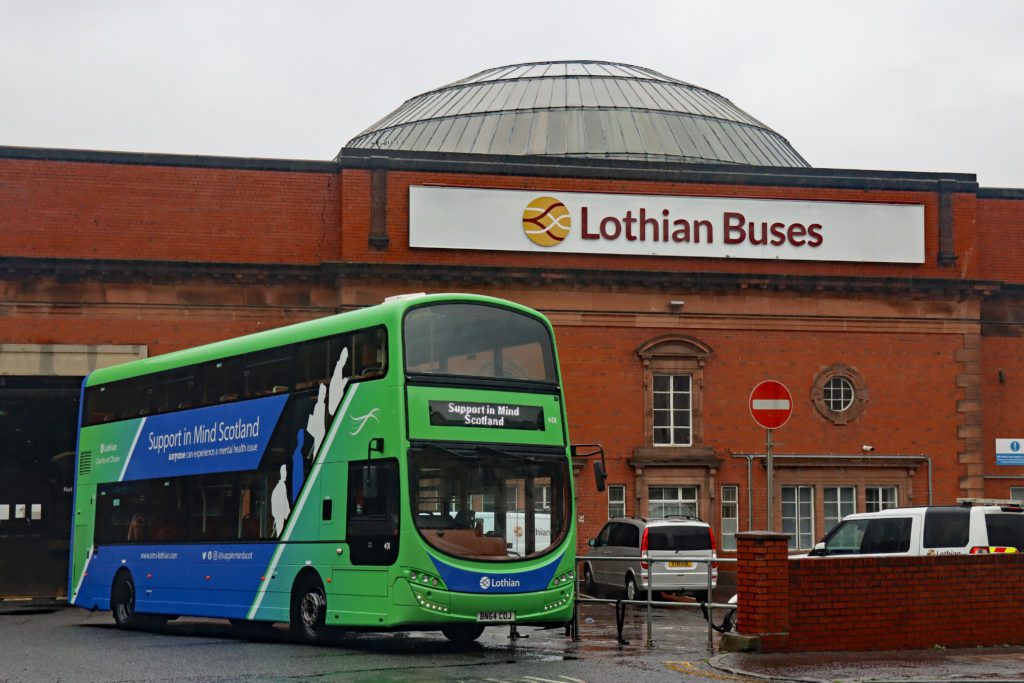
[(580, 109)]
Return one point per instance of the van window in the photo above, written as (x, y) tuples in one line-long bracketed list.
[(1006, 529), (946, 527), (679, 538), (845, 539), (887, 535), (624, 535)]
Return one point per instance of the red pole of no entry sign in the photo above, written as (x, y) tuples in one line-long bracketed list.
[(771, 406)]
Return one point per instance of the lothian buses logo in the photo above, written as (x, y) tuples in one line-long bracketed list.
[(546, 221), (504, 582)]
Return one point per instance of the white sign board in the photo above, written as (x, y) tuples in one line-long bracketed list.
[(1010, 451), (545, 221)]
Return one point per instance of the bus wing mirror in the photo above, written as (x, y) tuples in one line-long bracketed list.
[(599, 474), (588, 450)]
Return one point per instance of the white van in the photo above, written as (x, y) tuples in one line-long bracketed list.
[(963, 529)]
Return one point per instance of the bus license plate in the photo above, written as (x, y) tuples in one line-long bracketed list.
[(680, 565), (495, 617)]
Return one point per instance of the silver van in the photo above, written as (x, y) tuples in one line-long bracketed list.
[(966, 529), (666, 541)]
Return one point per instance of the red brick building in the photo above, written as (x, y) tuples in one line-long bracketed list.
[(903, 354)]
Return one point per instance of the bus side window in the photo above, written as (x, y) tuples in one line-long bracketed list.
[(222, 381), (313, 365), (134, 398), (370, 359), (174, 391), (100, 404), (268, 372)]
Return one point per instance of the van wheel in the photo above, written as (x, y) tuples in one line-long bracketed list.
[(309, 611), (631, 589), (462, 634), (588, 581)]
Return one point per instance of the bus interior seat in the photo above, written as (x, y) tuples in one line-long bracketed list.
[(250, 527)]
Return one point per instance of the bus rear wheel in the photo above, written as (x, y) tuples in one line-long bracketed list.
[(462, 634), (309, 611), (122, 601), (122, 604)]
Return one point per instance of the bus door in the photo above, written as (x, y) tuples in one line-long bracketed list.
[(373, 512), (371, 531)]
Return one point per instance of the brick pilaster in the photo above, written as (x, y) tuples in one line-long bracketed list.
[(971, 455), (762, 583)]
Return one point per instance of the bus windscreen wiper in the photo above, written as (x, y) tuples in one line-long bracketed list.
[(447, 451), (533, 457)]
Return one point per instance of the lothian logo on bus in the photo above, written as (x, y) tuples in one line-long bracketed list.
[(486, 582)]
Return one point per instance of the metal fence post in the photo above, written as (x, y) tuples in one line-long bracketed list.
[(711, 612), (650, 588), (576, 605)]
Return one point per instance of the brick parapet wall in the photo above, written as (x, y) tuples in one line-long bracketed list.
[(876, 603), (905, 603)]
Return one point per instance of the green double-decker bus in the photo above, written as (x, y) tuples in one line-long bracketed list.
[(404, 466)]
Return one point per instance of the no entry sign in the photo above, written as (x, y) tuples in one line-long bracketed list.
[(771, 404)]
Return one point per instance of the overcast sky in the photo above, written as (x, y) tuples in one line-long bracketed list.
[(929, 85)]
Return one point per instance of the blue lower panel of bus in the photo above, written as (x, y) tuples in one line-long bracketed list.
[(218, 580)]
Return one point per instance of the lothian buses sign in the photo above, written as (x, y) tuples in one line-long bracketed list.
[(656, 225)]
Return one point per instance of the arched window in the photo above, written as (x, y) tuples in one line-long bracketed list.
[(673, 383)]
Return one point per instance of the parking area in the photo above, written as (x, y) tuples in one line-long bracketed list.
[(208, 649)]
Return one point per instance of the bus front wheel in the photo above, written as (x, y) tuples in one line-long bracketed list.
[(462, 634), (309, 611)]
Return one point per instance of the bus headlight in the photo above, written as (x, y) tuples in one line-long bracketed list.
[(563, 578), (420, 578)]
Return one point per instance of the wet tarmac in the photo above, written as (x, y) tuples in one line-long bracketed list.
[(938, 664), (679, 653)]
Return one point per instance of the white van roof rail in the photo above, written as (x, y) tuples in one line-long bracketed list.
[(988, 501)]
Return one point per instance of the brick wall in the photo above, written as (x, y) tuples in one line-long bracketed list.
[(52, 209), (877, 603), (1000, 250)]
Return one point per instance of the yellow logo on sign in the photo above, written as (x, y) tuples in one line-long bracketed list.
[(546, 221)]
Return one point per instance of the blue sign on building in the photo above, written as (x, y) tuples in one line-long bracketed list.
[(1010, 451)]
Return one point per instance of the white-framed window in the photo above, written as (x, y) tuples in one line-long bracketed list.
[(730, 515), (838, 394), (1017, 493), (673, 410), (839, 502), (798, 516), (542, 498), (880, 498), (663, 501), (616, 500)]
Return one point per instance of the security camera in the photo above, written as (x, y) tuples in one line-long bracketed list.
[(866, 448)]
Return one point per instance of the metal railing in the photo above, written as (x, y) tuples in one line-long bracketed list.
[(620, 605)]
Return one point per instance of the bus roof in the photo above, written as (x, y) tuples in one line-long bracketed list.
[(389, 312)]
